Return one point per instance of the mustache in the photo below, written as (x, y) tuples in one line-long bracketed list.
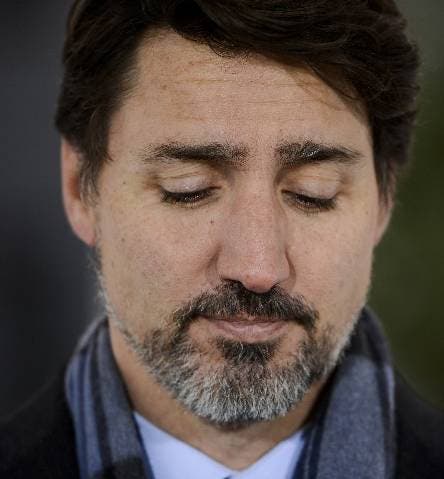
[(233, 299)]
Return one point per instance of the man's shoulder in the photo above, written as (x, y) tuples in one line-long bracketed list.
[(420, 435), (38, 440)]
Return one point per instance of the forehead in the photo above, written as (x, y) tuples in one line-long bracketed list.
[(185, 91)]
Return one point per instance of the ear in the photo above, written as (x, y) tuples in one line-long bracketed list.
[(80, 212), (384, 216)]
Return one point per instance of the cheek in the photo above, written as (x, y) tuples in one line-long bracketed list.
[(334, 265), (150, 262)]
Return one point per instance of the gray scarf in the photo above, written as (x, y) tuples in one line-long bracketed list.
[(351, 435)]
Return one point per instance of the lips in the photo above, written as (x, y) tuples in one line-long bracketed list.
[(246, 318), (247, 328)]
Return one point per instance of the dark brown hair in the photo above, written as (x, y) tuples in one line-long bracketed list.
[(364, 41)]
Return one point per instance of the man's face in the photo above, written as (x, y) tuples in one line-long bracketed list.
[(235, 181)]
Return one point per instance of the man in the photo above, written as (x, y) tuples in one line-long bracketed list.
[(233, 166)]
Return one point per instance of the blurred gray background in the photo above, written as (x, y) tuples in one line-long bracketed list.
[(46, 289)]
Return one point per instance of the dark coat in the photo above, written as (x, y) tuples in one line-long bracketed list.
[(38, 441)]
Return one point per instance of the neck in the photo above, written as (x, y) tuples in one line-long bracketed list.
[(235, 448)]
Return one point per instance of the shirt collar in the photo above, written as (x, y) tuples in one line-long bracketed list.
[(172, 458)]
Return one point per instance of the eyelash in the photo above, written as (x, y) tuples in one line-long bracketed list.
[(308, 204), (188, 199)]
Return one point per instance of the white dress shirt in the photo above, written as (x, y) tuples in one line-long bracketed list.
[(171, 458)]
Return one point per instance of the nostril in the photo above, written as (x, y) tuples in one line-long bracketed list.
[(259, 281)]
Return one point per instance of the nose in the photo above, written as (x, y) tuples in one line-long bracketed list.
[(253, 250)]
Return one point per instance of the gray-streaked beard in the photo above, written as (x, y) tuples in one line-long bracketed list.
[(245, 387), (242, 388)]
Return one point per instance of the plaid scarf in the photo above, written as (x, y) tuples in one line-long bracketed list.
[(351, 436)]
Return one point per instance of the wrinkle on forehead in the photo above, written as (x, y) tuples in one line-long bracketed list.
[(184, 63)]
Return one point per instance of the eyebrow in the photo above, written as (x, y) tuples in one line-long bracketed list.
[(220, 155), (293, 154), (215, 154)]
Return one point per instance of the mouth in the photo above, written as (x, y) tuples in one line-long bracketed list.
[(247, 328)]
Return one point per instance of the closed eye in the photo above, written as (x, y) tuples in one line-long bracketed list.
[(310, 204), (187, 198)]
